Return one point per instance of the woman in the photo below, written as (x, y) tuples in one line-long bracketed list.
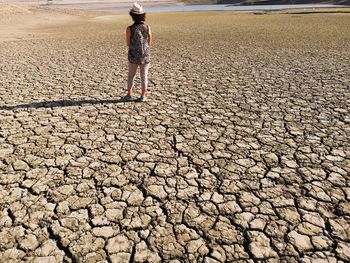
[(138, 39)]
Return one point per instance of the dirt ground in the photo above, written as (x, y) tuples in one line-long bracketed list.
[(241, 152)]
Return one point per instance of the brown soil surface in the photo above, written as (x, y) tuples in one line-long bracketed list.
[(241, 152)]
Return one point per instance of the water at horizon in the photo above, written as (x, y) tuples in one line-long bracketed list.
[(226, 7)]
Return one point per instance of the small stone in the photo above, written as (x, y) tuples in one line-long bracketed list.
[(229, 208), (114, 214), (272, 175), (258, 223), (12, 254), (301, 242), (20, 166), (210, 260), (71, 223), (48, 259), (120, 257), (48, 247), (259, 245), (344, 208), (340, 228), (315, 219), (158, 191), (271, 159), (82, 202), (343, 251), (135, 197), (290, 214), (143, 157), (118, 244), (106, 231), (248, 199), (321, 242), (194, 245), (29, 243), (244, 219), (5, 152), (94, 257), (141, 252), (217, 198), (317, 260)]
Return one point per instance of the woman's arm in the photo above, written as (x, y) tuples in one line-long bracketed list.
[(128, 35), (149, 36)]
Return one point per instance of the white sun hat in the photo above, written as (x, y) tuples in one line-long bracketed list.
[(137, 9)]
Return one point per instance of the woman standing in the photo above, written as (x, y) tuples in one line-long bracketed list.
[(138, 39)]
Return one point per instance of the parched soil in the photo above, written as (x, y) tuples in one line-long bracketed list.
[(240, 154)]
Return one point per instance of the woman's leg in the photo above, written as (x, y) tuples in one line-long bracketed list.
[(131, 77), (144, 78)]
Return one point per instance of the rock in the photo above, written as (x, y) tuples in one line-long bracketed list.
[(121, 257), (141, 252), (118, 244), (164, 170), (271, 159), (105, 232), (321, 242), (29, 243), (114, 214), (248, 199), (20, 165), (12, 255), (71, 223), (340, 228), (93, 257), (48, 247), (157, 191), (217, 198), (218, 253), (197, 246), (307, 259), (229, 208), (259, 245), (143, 157), (36, 173), (210, 260), (315, 219), (135, 197), (82, 202), (244, 219), (258, 224), (162, 238), (4, 152), (343, 251), (290, 214), (87, 243), (344, 208), (301, 242), (48, 259)]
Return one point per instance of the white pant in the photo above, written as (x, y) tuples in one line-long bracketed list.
[(143, 73)]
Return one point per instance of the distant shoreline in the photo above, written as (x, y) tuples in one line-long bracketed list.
[(113, 4), (244, 8), (172, 6)]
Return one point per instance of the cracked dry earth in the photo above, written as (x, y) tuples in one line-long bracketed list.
[(240, 154)]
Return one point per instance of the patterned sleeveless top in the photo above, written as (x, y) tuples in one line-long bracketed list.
[(139, 51)]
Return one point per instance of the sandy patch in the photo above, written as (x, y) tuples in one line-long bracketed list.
[(20, 22), (9, 9)]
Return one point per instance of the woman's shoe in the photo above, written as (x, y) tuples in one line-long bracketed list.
[(142, 99), (127, 98)]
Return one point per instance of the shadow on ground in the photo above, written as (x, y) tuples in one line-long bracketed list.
[(63, 103)]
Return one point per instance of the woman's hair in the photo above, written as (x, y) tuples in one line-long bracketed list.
[(138, 18)]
